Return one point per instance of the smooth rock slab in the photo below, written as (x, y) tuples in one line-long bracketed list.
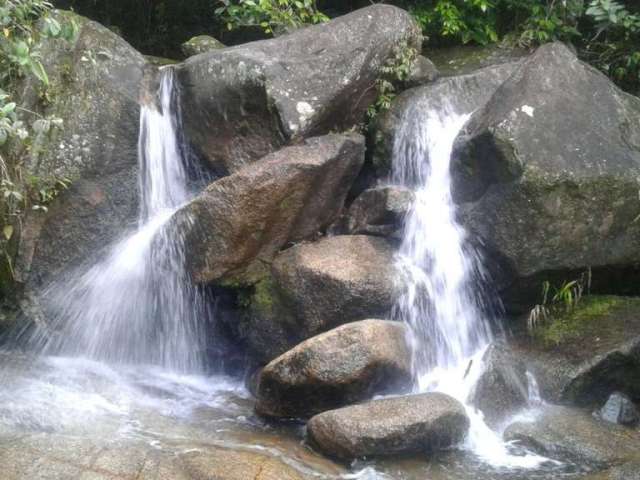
[(410, 424), (575, 435), (344, 365)]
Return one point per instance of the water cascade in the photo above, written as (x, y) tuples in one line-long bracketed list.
[(446, 302), (137, 304)]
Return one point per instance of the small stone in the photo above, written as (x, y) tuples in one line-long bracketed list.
[(619, 409)]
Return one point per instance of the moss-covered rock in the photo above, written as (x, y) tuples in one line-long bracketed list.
[(200, 44)]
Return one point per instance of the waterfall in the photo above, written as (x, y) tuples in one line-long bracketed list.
[(137, 305), (446, 301)]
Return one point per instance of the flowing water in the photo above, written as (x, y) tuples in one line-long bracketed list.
[(119, 389), (446, 301)]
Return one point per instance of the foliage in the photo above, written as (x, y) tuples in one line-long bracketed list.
[(23, 24), (273, 16), (558, 301), (395, 71)]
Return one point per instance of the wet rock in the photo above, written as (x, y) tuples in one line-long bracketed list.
[(422, 71), (95, 84), (345, 365), (235, 227), (243, 102), (314, 287), (460, 94), (575, 435), (377, 211), (569, 373), (464, 59), (410, 424), (200, 44), (563, 179), (501, 390), (627, 471), (619, 409)]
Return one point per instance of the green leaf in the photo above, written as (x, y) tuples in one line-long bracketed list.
[(7, 232)]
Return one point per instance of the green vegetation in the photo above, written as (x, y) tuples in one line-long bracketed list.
[(577, 322), (23, 24), (273, 16)]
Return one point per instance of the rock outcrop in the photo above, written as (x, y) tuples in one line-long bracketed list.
[(563, 178), (241, 103), (235, 227), (95, 86), (314, 287), (200, 44), (342, 366), (410, 424)]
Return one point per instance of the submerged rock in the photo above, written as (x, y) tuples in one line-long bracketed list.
[(502, 389), (565, 179), (235, 227), (410, 424), (313, 287), (200, 44), (243, 102), (342, 366), (619, 409), (95, 87), (575, 435)]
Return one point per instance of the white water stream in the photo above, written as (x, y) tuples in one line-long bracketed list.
[(445, 301), (137, 305)]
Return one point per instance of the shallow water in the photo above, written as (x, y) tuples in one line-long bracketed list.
[(58, 412)]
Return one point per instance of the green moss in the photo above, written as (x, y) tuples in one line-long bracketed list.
[(262, 298), (590, 312)]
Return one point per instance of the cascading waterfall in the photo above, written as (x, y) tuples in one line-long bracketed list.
[(137, 305), (445, 303)]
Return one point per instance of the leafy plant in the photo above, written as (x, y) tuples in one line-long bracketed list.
[(273, 16)]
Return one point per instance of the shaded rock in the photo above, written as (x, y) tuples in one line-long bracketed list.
[(95, 86), (575, 435), (619, 409), (243, 102), (627, 471), (463, 59), (410, 424), (566, 180), (345, 365), (377, 211), (422, 71), (461, 94), (501, 390), (234, 228), (569, 373), (200, 44), (314, 287)]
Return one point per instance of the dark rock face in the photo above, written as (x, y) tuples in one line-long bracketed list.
[(238, 223), (377, 211), (567, 372), (501, 390), (575, 435), (314, 287), (345, 365), (95, 90), (200, 44), (565, 179), (619, 409), (410, 424), (245, 101), (461, 94)]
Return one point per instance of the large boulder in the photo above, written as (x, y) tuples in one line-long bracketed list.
[(410, 424), (314, 287), (502, 388), (571, 374), (565, 179), (460, 94), (574, 435), (95, 86), (240, 103), (345, 365), (234, 228)]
